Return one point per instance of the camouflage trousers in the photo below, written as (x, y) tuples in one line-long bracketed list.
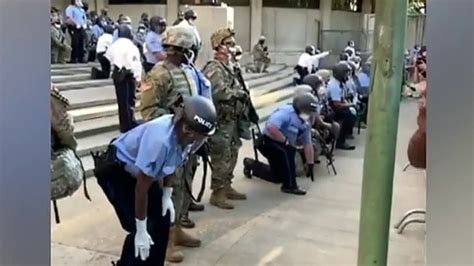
[(60, 55), (224, 148), (262, 64), (181, 198)]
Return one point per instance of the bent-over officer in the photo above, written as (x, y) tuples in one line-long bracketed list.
[(162, 91), (134, 165)]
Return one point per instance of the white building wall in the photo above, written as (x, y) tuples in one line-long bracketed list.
[(135, 11), (289, 29), (242, 26)]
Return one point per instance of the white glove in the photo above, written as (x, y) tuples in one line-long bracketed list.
[(143, 240), (167, 203), (353, 110)]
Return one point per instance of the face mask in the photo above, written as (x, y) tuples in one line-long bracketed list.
[(305, 117), (238, 57), (79, 3), (57, 25)]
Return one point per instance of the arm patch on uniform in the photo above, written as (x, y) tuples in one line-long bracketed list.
[(147, 83)]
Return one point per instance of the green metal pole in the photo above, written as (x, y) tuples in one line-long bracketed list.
[(379, 159)]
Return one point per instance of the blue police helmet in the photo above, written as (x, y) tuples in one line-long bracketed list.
[(124, 31), (200, 114)]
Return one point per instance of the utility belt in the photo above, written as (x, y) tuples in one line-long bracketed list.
[(106, 162), (121, 74)]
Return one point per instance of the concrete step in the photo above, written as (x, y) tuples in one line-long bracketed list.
[(83, 84), (104, 95), (109, 122), (57, 79), (94, 112), (70, 71), (69, 66), (100, 142)]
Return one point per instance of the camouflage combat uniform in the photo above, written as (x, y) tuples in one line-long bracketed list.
[(161, 94), (60, 50), (229, 99), (260, 58), (162, 91)]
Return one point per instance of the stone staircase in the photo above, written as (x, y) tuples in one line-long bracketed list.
[(94, 108)]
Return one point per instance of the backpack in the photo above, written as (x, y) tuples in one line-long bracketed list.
[(67, 171)]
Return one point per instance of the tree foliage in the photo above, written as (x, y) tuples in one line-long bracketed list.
[(415, 7)]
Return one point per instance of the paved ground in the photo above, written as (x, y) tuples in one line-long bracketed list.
[(270, 228)]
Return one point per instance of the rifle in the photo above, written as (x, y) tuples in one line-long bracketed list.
[(252, 115), (326, 151)]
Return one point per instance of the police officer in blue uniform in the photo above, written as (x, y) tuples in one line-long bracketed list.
[(154, 47), (288, 127), (136, 174), (345, 112)]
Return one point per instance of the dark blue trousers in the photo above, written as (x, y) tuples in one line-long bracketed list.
[(119, 187), (125, 87)]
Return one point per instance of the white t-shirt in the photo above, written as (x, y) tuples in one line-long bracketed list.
[(124, 53), (104, 42)]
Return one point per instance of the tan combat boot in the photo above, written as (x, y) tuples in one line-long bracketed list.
[(173, 255), (184, 239), (219, 199), (232, 194)]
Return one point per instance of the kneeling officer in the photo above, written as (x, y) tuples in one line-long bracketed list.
[(287, 127), (136, 175)]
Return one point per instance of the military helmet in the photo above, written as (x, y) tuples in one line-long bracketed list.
[(157, 21), (124, 31), (305, 103), (314, 81), (341, 71), (200, 114), (179, 36), (220, 35)]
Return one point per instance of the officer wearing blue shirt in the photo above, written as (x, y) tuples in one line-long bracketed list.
[(77, 23), (154, 47), (97, 30), (344, 111), (136, 163), (288, 127)]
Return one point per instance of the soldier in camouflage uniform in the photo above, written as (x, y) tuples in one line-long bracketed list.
[(162, 91), (60, 50), (229, 99), (261, 57)]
